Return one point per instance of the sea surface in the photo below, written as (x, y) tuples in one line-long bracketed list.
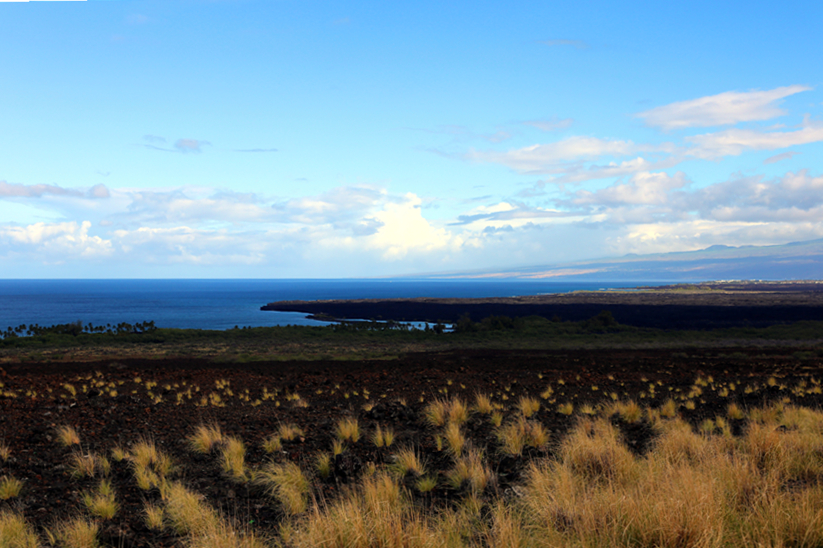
[(224, 304)]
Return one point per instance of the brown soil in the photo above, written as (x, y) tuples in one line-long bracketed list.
[(390, 390)]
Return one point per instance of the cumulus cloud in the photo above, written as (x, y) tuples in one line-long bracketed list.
[(56, 241), (642, 189), (722, 109), (403, 229)]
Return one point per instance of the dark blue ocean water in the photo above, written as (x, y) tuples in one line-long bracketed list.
[(222, 304)]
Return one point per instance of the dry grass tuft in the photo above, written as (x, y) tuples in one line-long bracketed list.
[(233, 458), (5, 452), (594, 451), (288, 484), (77, 533), (68, 436), (375, 514), (83, 465), (407, 461), (10, 487), (102, 503), (455, 440), (348, 430), (516, 435), (205, 438), (154, 517), (15, 532), (483, 404), (436, 413), (528, 406), (383, 436), (289, 432), (470, 473)]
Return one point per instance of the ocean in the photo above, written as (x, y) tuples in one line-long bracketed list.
[(224, 304)]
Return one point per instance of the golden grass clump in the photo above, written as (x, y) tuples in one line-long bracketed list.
[(16, 532), (323, 465), (289, 432), (470, 472), (348, 430), (374, 514), (382, 436), (733, 411), (455, 440), (436, 413), (10, 487), (483, 404), (76, 533), (154, 517), (629, 411), (83, 465), (407, 461), (678, 444), (528, 406), (669, 409), (288, 484), (150, 465), (205, 438), (68, 436), (565, 408), (458, 411), (101, 503), (5, 452), (272, 444), (594, 451), (188, 514), (516, 435), (233, 458)]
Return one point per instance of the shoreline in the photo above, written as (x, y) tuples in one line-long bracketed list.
[(708, 305)]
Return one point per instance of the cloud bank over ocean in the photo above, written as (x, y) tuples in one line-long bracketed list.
[(233, 139)]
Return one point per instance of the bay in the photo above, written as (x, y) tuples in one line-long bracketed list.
[(226, 303)]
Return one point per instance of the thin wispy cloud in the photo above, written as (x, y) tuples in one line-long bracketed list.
[(723, 109)]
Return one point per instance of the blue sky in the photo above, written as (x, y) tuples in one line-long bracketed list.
[(244, 138)]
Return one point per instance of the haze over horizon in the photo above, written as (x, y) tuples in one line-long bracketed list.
[(266, 139)]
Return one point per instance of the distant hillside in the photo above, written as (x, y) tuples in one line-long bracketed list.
[(794, 261)]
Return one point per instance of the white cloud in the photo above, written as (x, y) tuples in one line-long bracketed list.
[(550, 125), (56, 241), (642, 189), (723, 109), (190, 145), (549, 158), (733, 142), (697, 234), (780, 157), (13, 190), (403, 229)]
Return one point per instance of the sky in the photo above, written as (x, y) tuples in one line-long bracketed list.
[(310, 139)]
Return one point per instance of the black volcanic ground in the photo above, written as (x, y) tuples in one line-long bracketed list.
[(704, 306)]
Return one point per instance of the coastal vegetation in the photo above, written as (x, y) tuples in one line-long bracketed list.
[(373, 339)]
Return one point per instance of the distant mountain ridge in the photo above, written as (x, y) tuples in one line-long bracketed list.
[(792, 261)]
